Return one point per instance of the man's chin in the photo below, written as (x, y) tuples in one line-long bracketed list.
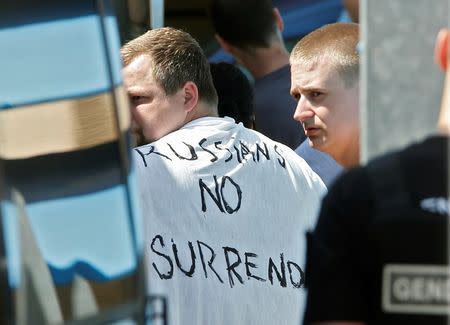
[(317, 143)]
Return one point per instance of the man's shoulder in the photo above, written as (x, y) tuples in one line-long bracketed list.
[(432, 148), (383, 163), (275, 83), (352, 188), (428, 148), (359, 183), (282, 75)]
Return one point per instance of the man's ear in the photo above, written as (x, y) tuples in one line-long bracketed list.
[(278, 19), (190, 92), (441, 48)]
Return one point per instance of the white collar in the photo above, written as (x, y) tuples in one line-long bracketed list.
[(219, 122)]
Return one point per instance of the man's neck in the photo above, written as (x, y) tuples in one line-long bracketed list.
[(202, 109), (263, 61), (349, 158)]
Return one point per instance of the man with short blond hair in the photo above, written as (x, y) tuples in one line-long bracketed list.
[(225, 208), (379, 253), (325, 83)]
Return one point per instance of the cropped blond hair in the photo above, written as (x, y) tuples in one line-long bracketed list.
[(334, 42)]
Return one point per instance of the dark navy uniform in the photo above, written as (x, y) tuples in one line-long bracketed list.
[(379, 252)]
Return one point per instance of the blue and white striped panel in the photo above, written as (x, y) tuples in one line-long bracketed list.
[(56, 51), (57, 81)]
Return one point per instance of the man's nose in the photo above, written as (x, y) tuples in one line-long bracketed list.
[(303, 111)]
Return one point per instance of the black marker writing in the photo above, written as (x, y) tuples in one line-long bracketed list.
[(259, 150), (202, 141), (246, 151), (216, 144), (177, 259), (229, 209), (216, 198), (249, 265), (301, 281), (219, 197), (237, 154), (234, 264), (191, 150), (280, 275), (239, 151), (231, 267), (151, 150), (169, 273), (211, 260), (282, 161)]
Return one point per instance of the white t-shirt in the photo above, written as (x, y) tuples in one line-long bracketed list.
[(225, 212)]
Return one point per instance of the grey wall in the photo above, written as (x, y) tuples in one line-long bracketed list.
[(400, 84)]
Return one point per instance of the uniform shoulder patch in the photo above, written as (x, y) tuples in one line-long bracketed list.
[(439, 205)]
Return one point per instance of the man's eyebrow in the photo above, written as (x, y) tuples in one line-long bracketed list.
[(136, 91), (310, 89)]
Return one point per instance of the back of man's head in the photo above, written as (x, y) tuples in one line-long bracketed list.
[(336, 43), (177, 58), (244, 23)]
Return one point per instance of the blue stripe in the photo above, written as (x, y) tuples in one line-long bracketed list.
[(5, 105), (12, 246), (70, 232), (67, 59), (62, 276)]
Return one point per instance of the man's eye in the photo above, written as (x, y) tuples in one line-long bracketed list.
[(137, 100), (296, 96), (315, 94)]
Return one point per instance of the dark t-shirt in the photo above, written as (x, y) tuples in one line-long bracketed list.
[(355, 240), (275, 107)]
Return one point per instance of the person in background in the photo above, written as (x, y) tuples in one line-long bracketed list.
[(379, 253), (225, 208), (251, 32), (235, 93)]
